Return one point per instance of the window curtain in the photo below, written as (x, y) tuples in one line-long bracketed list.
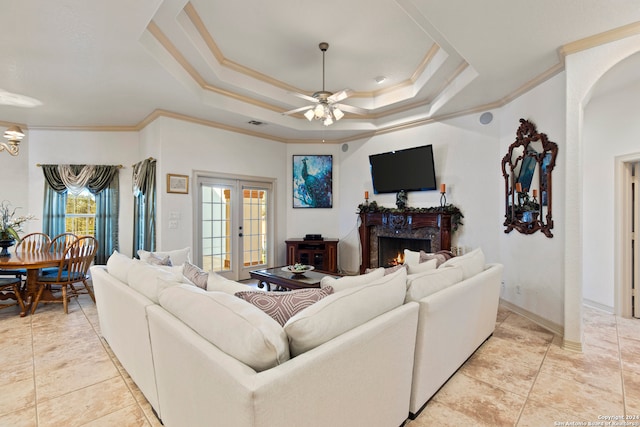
[(144, 205), (55, 201), (102, 181)]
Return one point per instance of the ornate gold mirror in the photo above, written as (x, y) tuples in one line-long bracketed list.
[(527, 169)]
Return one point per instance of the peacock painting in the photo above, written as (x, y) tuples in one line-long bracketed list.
[(312, 181)]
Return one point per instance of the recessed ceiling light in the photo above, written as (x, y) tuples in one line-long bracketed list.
[(380, 79)]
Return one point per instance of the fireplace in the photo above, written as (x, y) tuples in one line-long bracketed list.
[(425, 228), (391, 249)]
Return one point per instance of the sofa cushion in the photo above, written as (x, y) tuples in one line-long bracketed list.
[(118, 265), (236, 327), (411, 257), (281, 306), (195, 275), (154, 259), (178, 256), (422, 266), (343, 311), (429, 282), (216, 282), (144, 278), (387, 270), (441, 256), (471, 263), (347, 282)]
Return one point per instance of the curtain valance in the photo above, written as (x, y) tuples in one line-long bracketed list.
[(74, 178)]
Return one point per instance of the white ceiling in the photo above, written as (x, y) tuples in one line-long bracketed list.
[(116, 64)]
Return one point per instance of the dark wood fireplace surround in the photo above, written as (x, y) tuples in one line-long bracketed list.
[(434, 226)]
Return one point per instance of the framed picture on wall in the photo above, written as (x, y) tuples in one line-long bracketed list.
[(177, 184), (312, 181)]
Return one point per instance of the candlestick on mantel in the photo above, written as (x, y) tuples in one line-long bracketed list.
[(366, 194), (518, 187), (443, 197), (535, 193), (443, 188)]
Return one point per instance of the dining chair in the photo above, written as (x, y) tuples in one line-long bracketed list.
[(10, 289), (61, 242), (33, 242), (58, 244), (73, 269)]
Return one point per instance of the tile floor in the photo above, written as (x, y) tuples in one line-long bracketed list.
[(57, 371)]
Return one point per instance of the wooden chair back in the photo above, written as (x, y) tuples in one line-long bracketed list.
[(61, 242), (77, 259), (34, 242)]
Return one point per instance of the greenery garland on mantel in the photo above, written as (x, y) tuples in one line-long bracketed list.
[(454, 211)]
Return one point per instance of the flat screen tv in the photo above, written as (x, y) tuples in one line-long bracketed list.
[(410, 170)]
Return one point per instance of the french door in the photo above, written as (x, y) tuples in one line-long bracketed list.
[(235, 226)]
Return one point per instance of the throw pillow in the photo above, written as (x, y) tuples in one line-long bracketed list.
[(343, 311), (471, 263), (195, 275), (154, 259), (347, 282), (281, 306), (441, 256), (427, 283), (387, 270), (178, 256), (118, 266), (144, 278), (236, 327), (422, 266), (411, 257), (216, 282)]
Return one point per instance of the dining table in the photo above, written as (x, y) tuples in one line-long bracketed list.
[(32, 262)]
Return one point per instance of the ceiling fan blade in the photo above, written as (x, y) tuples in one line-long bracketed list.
[(305, 97), (351, 109), (339, 96), (297, 110)]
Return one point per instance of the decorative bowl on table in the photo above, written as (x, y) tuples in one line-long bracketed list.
[(298, 268)]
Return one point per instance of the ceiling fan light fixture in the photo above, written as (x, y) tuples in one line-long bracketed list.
[(337, 113), (328, 121), (319, 111), (310, 114)]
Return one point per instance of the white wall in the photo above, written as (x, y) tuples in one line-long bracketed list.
[(324, 221), (611, 128), (534, 264), (217, 151), (15, 184), (79, 147), (466, 158)]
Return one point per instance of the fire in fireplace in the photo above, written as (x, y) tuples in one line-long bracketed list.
[(391, 249)]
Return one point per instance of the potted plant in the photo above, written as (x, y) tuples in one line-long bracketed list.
[(10, 226)]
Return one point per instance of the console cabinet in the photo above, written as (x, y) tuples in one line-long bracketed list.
[(322, 254)]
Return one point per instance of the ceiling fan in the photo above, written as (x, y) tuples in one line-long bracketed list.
[(326, 105)]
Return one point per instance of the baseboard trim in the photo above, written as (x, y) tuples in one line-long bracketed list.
[(598, 306), (572, 346), (548, 325)]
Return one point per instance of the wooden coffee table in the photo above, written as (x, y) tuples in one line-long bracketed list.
[(284, 280)]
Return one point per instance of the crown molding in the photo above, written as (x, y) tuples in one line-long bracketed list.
[(599, 39), (563, 51)]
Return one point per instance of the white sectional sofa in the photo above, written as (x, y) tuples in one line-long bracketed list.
[(372, 353), (458, 309), (209, 358)]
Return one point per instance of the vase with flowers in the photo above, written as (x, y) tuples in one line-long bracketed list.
[(10, 226)]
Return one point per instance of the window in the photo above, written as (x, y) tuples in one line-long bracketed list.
[(80, 214)]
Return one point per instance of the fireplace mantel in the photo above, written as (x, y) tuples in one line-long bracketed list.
[(438, 225)]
